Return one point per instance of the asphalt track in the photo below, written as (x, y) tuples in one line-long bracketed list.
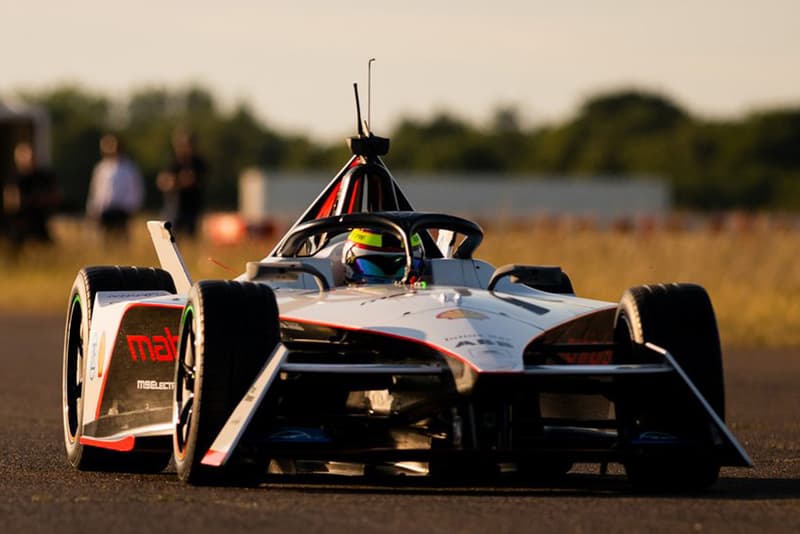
[(39, 492)]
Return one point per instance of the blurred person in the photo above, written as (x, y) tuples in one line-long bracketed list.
[(30, 197), (116, 190), (182, 183)]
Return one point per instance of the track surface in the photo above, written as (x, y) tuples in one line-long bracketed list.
[(39, 492)]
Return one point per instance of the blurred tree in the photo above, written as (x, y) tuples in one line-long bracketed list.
[(149, 105), (611, 135), (751, 163), (444, 143)]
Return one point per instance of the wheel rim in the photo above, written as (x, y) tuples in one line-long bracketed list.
[(184, 386), (73, 371)]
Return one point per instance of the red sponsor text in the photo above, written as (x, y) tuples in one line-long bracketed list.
[(153, 348)]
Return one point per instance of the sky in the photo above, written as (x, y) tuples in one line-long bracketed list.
[(294, 62)]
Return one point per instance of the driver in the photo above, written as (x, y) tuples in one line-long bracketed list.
[(374, 257)]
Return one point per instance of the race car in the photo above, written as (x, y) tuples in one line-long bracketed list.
[(372, 340)]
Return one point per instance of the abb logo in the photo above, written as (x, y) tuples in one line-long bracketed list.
[(156, 348)]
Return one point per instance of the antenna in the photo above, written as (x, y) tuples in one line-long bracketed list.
[(369, 92), (366, 144), (358, 111)]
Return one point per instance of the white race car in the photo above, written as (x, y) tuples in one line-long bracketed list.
[(372, 340)]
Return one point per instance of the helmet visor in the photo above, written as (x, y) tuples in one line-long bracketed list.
[(377, 268), (380, 266)]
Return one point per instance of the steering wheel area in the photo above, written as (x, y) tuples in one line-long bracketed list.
[(403, 224)]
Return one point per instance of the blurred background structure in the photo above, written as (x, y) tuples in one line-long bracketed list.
[(486, 196), (23, 123)]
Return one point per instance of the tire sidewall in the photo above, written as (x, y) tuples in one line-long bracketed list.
[(680, 319), (235, 327), (185, 456), (88, 282), (668, 315), (79, 292)]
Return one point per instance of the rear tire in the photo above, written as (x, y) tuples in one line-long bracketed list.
[(88, 283), (228, 332), (679, 318)]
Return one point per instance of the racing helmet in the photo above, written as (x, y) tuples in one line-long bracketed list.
[(375, 257)]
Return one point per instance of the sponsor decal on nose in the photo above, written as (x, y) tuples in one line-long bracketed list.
[(156, 348), (460, 313), (101, 353)]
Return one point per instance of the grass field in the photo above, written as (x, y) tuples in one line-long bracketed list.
[(753, 276)]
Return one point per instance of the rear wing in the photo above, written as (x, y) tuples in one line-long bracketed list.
[(169, 256)]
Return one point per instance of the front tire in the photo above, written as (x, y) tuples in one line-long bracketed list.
[(679, 318), (228, 332), (88, 283)]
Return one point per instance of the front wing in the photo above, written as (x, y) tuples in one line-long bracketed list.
[(590, 440)]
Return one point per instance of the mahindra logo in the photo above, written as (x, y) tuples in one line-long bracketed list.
[(155, 348)]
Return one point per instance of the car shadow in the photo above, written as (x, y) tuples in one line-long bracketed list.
[(572, 485)]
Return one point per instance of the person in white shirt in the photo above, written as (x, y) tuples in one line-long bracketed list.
[(116, 190)]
